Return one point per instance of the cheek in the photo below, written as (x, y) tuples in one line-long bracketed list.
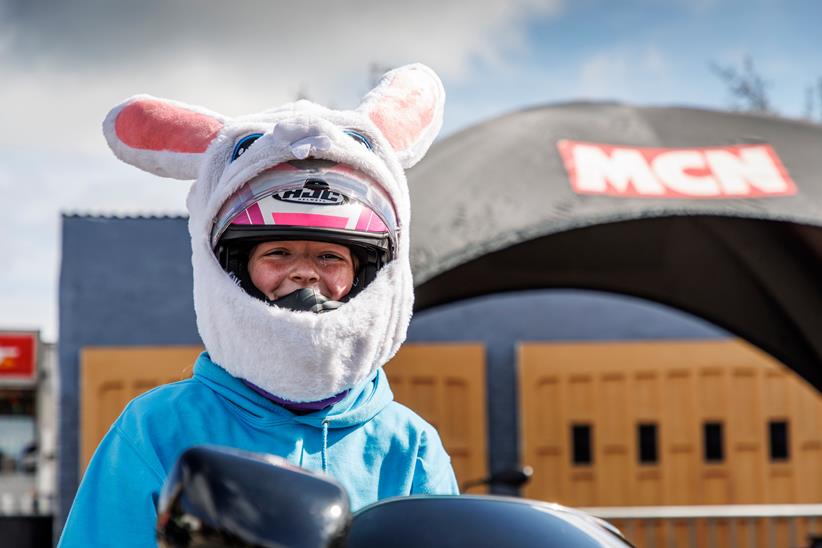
[(265, 277), (339, 283)]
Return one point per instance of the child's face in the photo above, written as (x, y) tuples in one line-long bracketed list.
[(282, 267)]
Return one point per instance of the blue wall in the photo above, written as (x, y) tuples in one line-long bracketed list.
[(127, 281), (123, 281)]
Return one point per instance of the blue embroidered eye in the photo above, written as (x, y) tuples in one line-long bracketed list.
[(243, 144), (359, 137)]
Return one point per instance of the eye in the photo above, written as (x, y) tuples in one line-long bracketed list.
[(243, 144), (359, 137), (330, 257)]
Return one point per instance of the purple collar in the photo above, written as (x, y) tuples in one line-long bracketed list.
[(294, 406)]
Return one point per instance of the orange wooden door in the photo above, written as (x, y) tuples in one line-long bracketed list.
[(113, 376), (680, 386), (443, 383)]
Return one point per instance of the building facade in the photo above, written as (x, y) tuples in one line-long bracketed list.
[(613, 400)]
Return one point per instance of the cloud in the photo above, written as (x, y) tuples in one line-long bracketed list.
[(653, 60), (696, 7), (65, 63), (35, 194), (282, 41), (245, 32), (621, 73)]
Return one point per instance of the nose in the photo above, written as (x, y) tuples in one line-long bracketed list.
[(304, 272)]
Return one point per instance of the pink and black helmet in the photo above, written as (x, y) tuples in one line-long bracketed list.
[(307, 200)]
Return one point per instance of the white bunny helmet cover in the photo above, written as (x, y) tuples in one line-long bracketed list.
[(298, 356)]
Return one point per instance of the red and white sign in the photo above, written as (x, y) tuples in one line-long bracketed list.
[(739, 171), (18, 356)]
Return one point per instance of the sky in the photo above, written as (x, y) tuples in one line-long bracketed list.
[(65, 63)]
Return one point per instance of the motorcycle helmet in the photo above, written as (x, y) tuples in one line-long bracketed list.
[(311, 199)]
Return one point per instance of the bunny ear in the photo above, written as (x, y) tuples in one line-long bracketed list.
[(163, 137), (407, 107)]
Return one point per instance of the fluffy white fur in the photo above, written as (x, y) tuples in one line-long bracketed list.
[(166, 163), (384, 92), (303, 356)]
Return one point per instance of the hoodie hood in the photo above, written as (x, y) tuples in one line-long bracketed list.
[(297, 356), (362, 403)]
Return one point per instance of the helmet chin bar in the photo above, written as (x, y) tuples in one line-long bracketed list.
[(306, 299)]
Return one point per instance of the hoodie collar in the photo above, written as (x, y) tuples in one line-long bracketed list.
[(361, 404)]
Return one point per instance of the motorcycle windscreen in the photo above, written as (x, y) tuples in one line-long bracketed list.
[(478, 521)]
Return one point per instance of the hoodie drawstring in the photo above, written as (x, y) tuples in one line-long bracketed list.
[(325, 446)]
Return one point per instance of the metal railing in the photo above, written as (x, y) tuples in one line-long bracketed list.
[(732, 526)]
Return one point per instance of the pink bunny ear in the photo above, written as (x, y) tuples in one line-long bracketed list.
[(407, 107), (163, 137)]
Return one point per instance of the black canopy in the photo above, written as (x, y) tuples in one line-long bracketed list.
[(495, 209)]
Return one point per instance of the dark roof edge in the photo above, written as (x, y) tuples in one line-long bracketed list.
[(626, 104), (136, 215)]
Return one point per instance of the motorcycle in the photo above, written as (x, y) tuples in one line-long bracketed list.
[(218, 497)]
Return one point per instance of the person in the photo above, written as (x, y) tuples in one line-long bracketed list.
[(302, 292)]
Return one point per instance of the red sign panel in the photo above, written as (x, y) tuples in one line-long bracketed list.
[(739, 171), (18, 356)]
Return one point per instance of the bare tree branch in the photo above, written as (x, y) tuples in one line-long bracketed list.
[(810, 102), (745, 85), (819, 97)]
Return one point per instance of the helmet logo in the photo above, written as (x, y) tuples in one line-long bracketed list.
[(314, 192)]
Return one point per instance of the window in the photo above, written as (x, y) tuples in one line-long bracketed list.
[(581, 445), (17, 428), (712, 442), (779, 441), (647, 443)]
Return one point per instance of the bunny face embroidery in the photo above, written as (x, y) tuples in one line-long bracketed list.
[(298, 356)]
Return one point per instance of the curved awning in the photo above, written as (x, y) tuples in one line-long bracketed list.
[(718, 214)]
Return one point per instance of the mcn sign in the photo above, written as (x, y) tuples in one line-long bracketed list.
[(739, 171)]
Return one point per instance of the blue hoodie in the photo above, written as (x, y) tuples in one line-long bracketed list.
[(375, 447)]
